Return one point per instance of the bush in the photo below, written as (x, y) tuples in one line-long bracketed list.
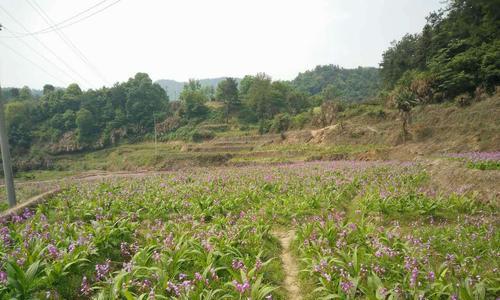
[(264, 126), (301, 120), (280, 123), (463, 100), (199, 135)]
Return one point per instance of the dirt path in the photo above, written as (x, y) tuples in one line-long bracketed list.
[(289, 265)]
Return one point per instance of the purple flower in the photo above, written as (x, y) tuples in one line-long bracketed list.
[(414, 276), (102, 270), (53, 251), (173, 288), (27, 214), (124, 249), (85, 287), (71, 247), (346, 286), (431, 276), (3, 277), (128, 266), (237, 264), (5, 236), (156, 256), (241, 287)]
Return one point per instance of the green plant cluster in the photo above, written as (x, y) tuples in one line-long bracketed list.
[(455, 56), (208, 233)]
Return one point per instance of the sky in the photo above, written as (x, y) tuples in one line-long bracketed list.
[(182, 39)]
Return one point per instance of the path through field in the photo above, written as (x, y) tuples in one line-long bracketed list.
[(289, 265)]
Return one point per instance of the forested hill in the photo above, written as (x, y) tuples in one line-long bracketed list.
[(357, 84), (456, 56), (174, 88)]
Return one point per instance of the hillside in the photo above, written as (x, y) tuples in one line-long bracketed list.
[(356, 85)]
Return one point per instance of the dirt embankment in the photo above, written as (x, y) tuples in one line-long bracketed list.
[(454, 177), (437, 128)]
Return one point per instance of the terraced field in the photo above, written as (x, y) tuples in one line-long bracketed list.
[(314, 230)]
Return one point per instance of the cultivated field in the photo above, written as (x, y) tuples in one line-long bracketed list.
[(312, 230)]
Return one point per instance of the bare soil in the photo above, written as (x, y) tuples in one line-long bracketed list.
[(290, 266)]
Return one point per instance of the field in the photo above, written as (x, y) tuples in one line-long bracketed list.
[(310, 230)]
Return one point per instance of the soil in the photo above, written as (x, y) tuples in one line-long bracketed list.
[(290, 266)]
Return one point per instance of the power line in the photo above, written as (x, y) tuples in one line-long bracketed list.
[(32, 62), (66, 40), (62, 24), (48, 49)]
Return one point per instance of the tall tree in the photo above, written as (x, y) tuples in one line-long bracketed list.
[(48, 88), (227, 92), (25, 93), (85, 126), (193, 100), (143, 99)]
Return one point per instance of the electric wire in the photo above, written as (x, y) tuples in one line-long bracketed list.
[(32, 62), (61, 24), (66, 40), (48, 49)]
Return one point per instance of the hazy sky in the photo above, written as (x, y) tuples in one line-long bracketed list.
[(181, 39)]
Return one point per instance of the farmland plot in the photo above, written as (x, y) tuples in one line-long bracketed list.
[(361, 230)]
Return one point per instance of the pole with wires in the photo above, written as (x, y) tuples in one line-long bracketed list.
[(156, 139), (6, 163)]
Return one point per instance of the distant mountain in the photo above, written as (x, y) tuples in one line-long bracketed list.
[(174, 88)]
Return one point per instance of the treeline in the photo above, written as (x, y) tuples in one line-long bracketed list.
[(69, 119), (455, 57), (76, 119)]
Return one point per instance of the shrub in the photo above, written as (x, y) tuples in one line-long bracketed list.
[(463, 100), (264, 126), (301, 120), (280, 123), (199, 135)]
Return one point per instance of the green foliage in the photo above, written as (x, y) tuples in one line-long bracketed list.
[(19, 121), (360, 230), (144, 100), (335, 82), (48, 88), (126, 109), (458, 47), (193, 101), (280, 123), (227, 92), (85, 126)]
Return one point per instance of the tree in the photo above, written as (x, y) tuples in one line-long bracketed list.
[(348, 84), (193, 101), (330, 93), (85, 126), (25, 93), (14, 93), (19, 122), (245, 85), (227, 92), (405, 100), (48, 88), (259, 95), (457, 49), (73, 90), (143, 99)]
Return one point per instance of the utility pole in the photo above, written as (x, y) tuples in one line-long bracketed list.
[(4, 147), (156, 140)]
